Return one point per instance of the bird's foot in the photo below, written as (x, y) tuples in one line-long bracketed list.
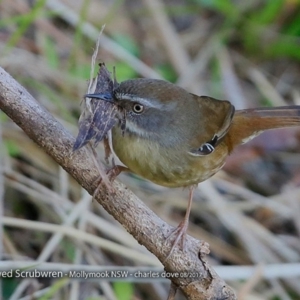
[(111, 175), (180, 236)]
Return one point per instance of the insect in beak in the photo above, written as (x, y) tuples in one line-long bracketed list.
[(109, 98)]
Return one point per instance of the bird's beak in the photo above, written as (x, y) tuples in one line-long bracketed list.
[(108, 97)]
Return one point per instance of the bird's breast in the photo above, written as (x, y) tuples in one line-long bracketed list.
[(166, 166)]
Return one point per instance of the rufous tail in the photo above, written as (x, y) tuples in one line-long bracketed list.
[(248, 123)]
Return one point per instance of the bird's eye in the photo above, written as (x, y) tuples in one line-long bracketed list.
[(138, 108)]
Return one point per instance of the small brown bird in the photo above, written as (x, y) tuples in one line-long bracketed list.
[(177, 139)]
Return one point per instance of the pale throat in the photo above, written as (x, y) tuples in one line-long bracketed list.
[(135, 129)]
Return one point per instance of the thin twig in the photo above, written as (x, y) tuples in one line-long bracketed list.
[(169, 37)]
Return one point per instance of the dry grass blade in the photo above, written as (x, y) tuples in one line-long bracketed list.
[(265, 87), (112, 47), (169, 37), (80, 235), (250, 284), (231, 85), (36, 190), (189, 78)]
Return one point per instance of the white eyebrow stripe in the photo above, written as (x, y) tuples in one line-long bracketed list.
[(130, 97)]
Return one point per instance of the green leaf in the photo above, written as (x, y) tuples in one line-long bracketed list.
[(69, 249), (54, 289), (127, 43), (226, 7), (78, 38), (284, 48), (123, 290), (51, 53), (167, 72), (25, 22), (82, 71), (269, 12), (8, 287), (293, 28), (12, 148), (123, 70)]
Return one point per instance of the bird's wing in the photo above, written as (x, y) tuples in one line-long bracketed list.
[(216, 120)]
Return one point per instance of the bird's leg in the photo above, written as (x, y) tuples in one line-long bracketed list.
[(101, 169), (180, 231), (111, 175), (115, 171), (106, 176)]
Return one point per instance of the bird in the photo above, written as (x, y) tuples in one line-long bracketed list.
[(174, 138)]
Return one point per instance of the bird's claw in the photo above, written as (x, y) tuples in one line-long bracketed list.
[(111, 174), (180, 237)]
